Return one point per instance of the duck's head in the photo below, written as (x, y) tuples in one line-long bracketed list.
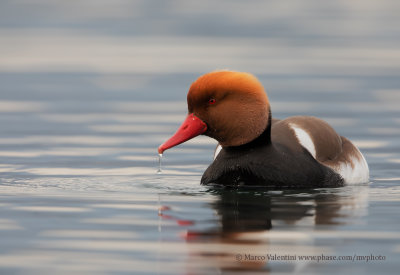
[(231, 107)]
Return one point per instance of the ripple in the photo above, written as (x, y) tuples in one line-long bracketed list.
[(22, 106), (57, 209), (9, 224), (368, 144), (96, 234)]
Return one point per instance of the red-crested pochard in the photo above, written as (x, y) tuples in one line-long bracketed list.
[(255, 149)]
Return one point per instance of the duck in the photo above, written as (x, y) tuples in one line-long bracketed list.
[(255, 149)]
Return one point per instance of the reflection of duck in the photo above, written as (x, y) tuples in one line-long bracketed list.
[(257, 222), (253, 210), (255, 149)]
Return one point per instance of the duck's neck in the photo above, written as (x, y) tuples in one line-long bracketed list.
[(262, 140)]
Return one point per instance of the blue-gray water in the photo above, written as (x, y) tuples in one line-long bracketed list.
[(89, 89)]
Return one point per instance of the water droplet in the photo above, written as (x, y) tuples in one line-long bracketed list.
[(159, 171)]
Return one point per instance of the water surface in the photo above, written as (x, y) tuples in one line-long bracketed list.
[(87, 97)]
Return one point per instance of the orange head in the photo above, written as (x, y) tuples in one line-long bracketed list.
[(231, 107)]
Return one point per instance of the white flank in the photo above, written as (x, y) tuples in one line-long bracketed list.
[(304, 139), (217, 150), (359, 173)]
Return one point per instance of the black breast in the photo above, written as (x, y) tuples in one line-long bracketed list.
[(261, 163)]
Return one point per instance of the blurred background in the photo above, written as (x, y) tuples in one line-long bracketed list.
[(89, 89), (119, 50)]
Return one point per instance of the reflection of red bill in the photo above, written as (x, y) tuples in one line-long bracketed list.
[(163, 208), (190, 236), (193, 235), (184, 222), (169, 217)]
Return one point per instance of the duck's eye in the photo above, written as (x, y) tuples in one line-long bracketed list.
[(211, 101)]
